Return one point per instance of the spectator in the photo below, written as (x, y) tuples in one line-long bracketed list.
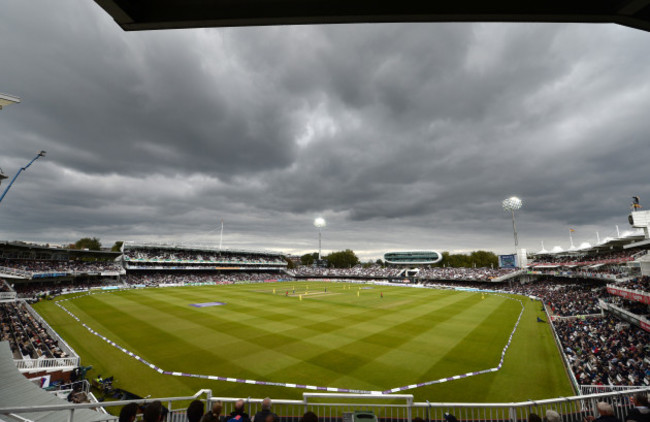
[(553, 416), (128, 413), (238, 415), (309, 417), (153, 412), (195, 411), (606, 412), (266, 411), (641, 411), (534, 417)]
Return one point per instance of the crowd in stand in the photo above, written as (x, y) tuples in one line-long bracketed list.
[(156, 278), (379, 272), (358, 271), (469, 274), (4, 287), (585, 259), (36, 290), (26, 336), (566, 297), (59, 266), (639, 283), (636, 308), (149, 254), (604, 350)]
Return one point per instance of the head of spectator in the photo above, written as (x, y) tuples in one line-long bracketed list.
[(309, 417), (239, 406), (209, 417), (128, 412), (153, 412), (266, 403), (534, 417), (195, 411), (605, 409), (640, 400), (217, 408), (553, 416)]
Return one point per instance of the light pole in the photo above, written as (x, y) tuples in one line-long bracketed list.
[(319, 223), (511, 204), (40, 154)]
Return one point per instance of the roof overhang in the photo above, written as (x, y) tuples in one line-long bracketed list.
[(6, 99), (138, 15)]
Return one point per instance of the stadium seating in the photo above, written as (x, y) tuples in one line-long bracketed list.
[(27, 337), (379, 272)]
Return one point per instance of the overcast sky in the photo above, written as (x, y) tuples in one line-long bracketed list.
[(402, 136)]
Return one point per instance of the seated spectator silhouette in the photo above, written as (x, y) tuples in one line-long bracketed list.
[(238, 415), (195, 411), (641, 411), (309, 417), (128, 413), (263, 414)]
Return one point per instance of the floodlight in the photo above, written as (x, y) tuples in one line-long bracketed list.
[(512, 204), (319, 223)]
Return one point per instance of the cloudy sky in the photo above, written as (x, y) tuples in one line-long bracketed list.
[(400, 135)]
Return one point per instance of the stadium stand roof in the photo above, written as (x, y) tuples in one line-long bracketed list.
[(16, 391), (6, 99), (137, 15)]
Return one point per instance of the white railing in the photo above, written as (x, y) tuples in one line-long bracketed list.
[(508, 276), (50, 363), (626, 315), (565, 359), (15, 271), (387, 408), (595, 389), (7, 295)]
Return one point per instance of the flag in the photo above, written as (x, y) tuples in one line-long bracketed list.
[(358, 291), (300, 297), (571, 230), (273, 291)]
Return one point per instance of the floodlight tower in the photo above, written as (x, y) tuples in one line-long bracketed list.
[(40, 154), (512, 204), (319, 223)]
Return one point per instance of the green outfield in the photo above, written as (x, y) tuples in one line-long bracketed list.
[(345, 337)]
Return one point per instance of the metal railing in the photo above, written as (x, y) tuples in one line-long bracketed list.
[(7, 295), (388, 408), (31, 364), (565, 359)]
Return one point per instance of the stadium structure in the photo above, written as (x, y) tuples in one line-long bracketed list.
[(596, 298)]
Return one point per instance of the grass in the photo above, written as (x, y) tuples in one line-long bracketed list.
[(336, 339)]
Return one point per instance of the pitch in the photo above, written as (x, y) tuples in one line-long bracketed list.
[(298, 333)]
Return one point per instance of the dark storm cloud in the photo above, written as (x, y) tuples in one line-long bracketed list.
[(402, 136)]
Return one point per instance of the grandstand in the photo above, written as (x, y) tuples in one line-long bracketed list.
[(595, 298)]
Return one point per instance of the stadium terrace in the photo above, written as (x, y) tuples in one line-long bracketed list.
[(595, 303)]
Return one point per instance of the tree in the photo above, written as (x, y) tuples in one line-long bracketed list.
[(290, 264), (474, 259), (342, 259), (92, 244), (309, 258), (380, 262), (117, 246)]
